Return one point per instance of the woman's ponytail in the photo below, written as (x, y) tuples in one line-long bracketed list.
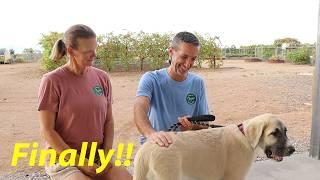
[(58, 51)]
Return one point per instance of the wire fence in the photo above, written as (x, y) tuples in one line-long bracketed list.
[(265, 53), (30, 57)]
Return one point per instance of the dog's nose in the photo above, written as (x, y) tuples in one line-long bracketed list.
[(290, 150)]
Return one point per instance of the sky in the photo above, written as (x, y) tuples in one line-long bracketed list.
[(236, 22)]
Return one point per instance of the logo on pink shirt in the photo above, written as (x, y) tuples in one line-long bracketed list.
[(97, 90)]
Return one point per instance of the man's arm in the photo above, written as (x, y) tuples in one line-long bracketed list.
[(203, 106), (141, 108)]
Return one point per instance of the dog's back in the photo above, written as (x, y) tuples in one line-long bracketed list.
[(189, 151), (223, 153)]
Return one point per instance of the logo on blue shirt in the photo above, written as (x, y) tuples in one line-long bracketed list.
[(191, 98)]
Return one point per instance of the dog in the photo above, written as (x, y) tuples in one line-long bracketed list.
[(214, 154)]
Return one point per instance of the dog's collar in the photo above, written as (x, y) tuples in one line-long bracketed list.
[(240, 126)]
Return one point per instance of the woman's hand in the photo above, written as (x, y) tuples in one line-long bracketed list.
[(89, 170)]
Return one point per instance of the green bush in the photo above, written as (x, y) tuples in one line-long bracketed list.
[(19, 58), (108, 50), (158, 50), (124, 50), (133, 48), (47, 41), (267, 53), (299, 56)]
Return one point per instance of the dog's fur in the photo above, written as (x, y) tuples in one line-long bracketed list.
[(213, 154)]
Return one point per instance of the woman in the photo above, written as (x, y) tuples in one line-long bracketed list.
[(75, 105)]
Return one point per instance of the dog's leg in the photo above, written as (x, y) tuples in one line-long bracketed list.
[(167, 170), (233, 178), (168, 174), (140, 166)]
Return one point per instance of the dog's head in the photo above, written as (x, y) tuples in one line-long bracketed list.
[(269, 133)]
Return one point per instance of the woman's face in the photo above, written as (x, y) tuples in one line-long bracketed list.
[(85, 53)]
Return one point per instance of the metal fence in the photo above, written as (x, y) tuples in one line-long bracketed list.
[(264, 52), (29, 57)]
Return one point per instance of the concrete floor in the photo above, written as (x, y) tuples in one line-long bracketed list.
[(296, 167)]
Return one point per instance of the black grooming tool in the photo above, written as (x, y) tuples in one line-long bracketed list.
[(199, 120)]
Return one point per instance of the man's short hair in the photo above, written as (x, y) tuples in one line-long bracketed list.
[(186, 37)]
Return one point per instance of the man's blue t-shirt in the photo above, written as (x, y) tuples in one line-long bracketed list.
[(170, 99)]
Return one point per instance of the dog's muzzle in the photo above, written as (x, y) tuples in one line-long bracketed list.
[(287, 152)]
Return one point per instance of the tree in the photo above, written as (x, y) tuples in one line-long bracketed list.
[(125, 49), (107, 50), (141, 44), (209, 51), (29, 52), (290, 41), (158, 49), (2, 51)]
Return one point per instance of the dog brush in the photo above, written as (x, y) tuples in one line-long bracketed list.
[(199, 120)]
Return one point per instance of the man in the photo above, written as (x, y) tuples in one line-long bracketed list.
[(171, 94)]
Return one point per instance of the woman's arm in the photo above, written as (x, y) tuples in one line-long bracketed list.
[(108, 130), (47, 131), (108, 134)]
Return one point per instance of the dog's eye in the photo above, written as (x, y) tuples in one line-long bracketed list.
[(275, 132)]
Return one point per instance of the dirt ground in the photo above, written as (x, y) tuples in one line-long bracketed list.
[(238, 91)]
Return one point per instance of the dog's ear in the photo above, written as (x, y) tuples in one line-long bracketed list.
[(254, 131)]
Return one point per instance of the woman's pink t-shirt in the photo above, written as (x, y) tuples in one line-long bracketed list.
[(80, 103)]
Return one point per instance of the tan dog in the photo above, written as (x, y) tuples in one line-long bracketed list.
[(213, 154)]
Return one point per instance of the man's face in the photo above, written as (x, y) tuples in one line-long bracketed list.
[(183, 58)]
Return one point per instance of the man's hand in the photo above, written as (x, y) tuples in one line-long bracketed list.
[(186, 124), (161, 138)]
